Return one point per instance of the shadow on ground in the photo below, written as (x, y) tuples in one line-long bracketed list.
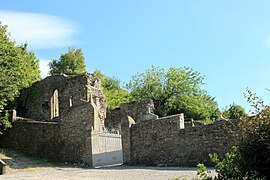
[(19, 161), (161, 168)]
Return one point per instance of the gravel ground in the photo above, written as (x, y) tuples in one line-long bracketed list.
[(105, 173), (120, 172), (21, 167)]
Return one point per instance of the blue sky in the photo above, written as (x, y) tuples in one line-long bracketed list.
[(227, 41)]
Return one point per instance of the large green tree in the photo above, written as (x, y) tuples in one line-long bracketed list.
[(70, 63), (19, 69), (179, 90), (115, 95)]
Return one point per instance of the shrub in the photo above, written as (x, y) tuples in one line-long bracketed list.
[(254, 140), (250, 159), (203, 172), (229, 167)]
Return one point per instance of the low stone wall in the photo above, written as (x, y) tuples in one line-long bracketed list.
[(68, 140), (33, 137), (162, 142)]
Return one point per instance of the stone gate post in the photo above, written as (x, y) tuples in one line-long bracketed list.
[(126, 139)]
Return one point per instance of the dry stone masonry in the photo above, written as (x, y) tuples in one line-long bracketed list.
[(66, 118), (56, 117), (162, 142)]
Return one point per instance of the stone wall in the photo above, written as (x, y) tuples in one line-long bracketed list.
[(113, 119), (56, 117), (162, 142), (35, 102), (68, 140), (139, 111)]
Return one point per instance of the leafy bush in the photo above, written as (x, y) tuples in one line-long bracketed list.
[(250, 159), (254, 140), (203, 172), (229, 167)]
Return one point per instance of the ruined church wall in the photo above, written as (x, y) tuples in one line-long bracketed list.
[(69, 140), (161, 142), (35, 102)]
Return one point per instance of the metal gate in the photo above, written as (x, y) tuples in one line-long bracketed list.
[(106, 149)]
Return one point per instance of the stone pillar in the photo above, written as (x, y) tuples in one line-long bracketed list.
[(96, 120), (12, 115), (126, 139), (181, 121)]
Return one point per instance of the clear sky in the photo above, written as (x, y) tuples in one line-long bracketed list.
[(227, 41)]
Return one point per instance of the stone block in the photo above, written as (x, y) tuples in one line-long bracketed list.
[(2, 167)]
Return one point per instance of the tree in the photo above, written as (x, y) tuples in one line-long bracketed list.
[(235, 112), (70, 63), (179, 90), (19, 69), (115, 95)]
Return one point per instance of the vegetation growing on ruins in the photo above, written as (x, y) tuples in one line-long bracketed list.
[(19, 69), (115, 95), (179, 90), (4, 121), (250, 158), (70, 63)]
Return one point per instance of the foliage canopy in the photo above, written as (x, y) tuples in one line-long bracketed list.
[(179, 90), (235, 112), (70, 63), (19, 69), (115, 95)]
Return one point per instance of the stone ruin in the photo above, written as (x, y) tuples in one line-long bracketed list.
[(52, 98), (57, 117)]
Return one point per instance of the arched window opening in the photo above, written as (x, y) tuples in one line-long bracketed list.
[(55, 104)]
